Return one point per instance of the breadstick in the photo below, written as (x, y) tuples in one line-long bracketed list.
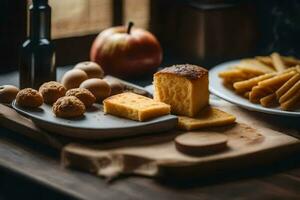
[(291, 103), (287, 60), (289, 70), (287, 85), (292, 91), (228, 84), (276, 81), (247, 94), (247, 85), (297, 68), (255, 64), (268, 101), (290, 60), (267, 60), (258, 92), (232, 73), (277, 62), (250, 70)]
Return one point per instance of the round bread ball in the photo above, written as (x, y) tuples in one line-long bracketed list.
[(51, 91), (68, 107), (98, 87), (8, 93), (73, 78), (29, 97), (92, 69), (83, 95)]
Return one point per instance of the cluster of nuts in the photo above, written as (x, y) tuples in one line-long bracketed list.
[(79, 89)]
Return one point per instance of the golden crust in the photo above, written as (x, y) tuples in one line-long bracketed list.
[(83, 95), (29, 97), (188, 71), (68, 106), (51, 91), (184, 87)]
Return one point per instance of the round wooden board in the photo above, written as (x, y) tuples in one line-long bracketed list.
[(198, 143)]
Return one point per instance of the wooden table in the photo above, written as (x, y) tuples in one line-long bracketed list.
[(32, 171)]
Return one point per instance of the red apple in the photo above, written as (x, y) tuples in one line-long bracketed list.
[(126, 51)]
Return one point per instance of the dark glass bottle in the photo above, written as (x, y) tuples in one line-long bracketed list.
[(37, 63)]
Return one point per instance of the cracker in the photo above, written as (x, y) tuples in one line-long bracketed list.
[(209, 117)]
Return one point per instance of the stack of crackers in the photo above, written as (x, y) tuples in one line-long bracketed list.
[(269, 80)]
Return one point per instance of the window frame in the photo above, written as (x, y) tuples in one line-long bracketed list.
[(13, 32)]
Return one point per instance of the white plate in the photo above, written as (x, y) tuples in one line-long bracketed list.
[(217, 88)]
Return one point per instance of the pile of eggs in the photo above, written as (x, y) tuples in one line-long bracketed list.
[(89, 75)]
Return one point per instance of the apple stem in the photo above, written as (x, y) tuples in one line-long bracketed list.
[(130, 25)]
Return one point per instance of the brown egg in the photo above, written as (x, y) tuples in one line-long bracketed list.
[(92, 69), (98, 87), (116, 87), (8, 93), (73, 78)]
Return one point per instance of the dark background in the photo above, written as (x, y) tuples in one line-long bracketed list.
[(273, 25)]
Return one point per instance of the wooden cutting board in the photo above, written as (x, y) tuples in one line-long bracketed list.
[(252, 142), (255, 140)]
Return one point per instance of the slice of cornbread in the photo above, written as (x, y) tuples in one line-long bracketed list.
[(184, 87), (134, 106), (209, 117)]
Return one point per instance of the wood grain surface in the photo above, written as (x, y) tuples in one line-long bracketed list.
[(41, 165)]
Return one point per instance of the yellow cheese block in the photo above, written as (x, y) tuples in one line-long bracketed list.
[(184, 87), (135, 107), (209, 117)]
